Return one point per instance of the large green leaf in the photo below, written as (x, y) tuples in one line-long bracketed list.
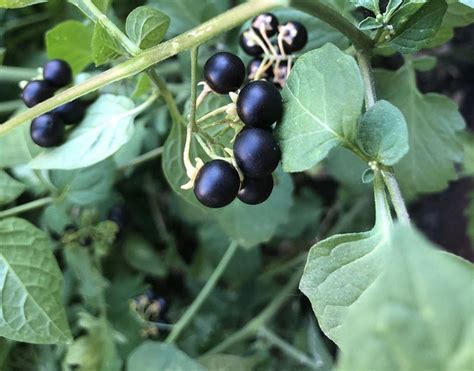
[(30, 286), (433, 122), (323, 99), (19, 3), (17, 147), (70, 41), (10, 188), (382, 133), (146, 26), (415, 34), (104, 47), (152, 356), (417, 315), (108, 125), (341, 268)]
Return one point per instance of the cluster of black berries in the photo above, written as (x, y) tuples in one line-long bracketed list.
[(256, 152), (151, 308), (272, 58), (48, 130)]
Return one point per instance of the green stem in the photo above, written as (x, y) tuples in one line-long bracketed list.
[(252, 327), (36, 204), (214, 113), (287, 348), (382, 210), (206, 290), (396, 197), (142, 158), (17, 74), (366, 71), (318, 9), (148, 58), (10, 106)]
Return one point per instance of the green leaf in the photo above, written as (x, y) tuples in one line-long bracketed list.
[(31, 286), (146, 26), (470, 218), (369, 23), (433, 123), (108, 125), (425, 63), (416, 33), (458, 15), (382, 133), (323, 99), (19, 3), (17, 147), (227, 362), (96, 350), (91, 284), (10, 188), (341, 268), (142, 256), (71, 42), (104, 47), (417, 315), (372, 5), (152, 356), (85, 186)]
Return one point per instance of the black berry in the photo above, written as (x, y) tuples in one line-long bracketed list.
[(294, 36), (36, 91), (248, 45), (216, 184), (256, 190), (47, 130), (119, 215), (71, 112), (224, 72), (259, 104), (256, 152), (266, 20), (58, 73), (253, 67)]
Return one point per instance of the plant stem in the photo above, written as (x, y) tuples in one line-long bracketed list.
[(287, 348), (36, 204), (396, 197), (252, 327), (16, 74), (206, 290), (333, 18), (148, 58), (142, 158), (366, 71)]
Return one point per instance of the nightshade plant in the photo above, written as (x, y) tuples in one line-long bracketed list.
[(108, 260)]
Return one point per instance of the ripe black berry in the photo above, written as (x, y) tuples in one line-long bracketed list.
[(248, 45), (71, 112), (47, 130), (216, 184), (36, 91), (58, 73), (294, 36), (259, 104), (256, 152), (268, 20), (253, 67), (254, 191), (119, 215), (224, 72)]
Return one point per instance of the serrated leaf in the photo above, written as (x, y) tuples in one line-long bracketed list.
[(108, 125), (323, 99), (341, 268), (382, 133), (152, 356), (406, 318), (85, 186), (141, 255), (10, 188), (104, 47), (71, 42), (31, 286), (19, 3), (146, 26), (433, 123), (416, 33)]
